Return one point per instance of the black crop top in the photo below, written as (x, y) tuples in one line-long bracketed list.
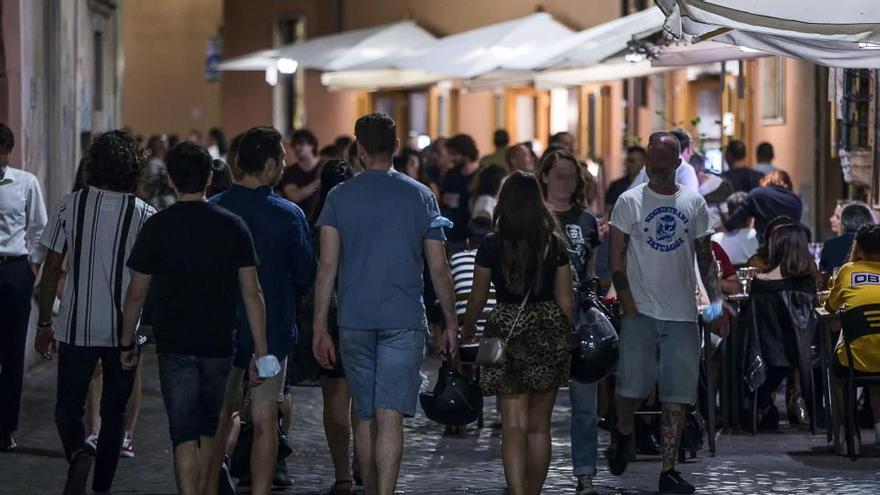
[(489, 256)]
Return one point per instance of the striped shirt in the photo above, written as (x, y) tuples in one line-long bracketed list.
[(97, 228), (462, 265)]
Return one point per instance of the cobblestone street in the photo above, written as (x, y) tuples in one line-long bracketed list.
[(791, 462)]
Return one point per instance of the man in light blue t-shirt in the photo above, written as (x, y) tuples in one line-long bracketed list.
[(375, 229)]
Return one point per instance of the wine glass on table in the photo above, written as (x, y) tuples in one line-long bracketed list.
[(745, 275)]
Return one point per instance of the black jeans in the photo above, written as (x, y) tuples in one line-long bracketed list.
[(75, 367), (16, 285)]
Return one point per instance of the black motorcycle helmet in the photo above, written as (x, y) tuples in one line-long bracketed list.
[(594, 353), (454, 401)]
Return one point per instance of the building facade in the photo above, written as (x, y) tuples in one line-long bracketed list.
[(59, 85), (771, 99)]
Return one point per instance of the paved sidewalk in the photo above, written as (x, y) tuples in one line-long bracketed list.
[(791, 462)]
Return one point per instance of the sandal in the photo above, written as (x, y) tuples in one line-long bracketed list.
[(337, 490)]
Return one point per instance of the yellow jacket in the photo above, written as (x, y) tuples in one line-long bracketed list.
[(857, 284)]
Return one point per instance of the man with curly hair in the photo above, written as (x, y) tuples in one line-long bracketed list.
[(95, 227)]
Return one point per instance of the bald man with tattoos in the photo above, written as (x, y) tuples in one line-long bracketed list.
[(657, 229)]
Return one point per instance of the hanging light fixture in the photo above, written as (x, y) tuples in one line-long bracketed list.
[(271, 76), (286, 65)]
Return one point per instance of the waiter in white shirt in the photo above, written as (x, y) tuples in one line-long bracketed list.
[(22, 220), (685, 175)]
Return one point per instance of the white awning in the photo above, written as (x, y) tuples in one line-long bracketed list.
[(609, 39), (610, 70), (839, 33), (512, 45), (578, 59), (260, 60), (340, 51), (375, 79), (683, 54)]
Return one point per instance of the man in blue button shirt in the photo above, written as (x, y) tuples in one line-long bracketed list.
[(287, 270), (375, 228)]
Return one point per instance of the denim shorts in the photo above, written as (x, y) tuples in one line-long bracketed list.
[(193, 389), (382, 368), (663, 352)]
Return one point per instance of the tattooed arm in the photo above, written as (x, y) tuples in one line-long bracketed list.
[(708, 268), (711, 279), (617, 262)]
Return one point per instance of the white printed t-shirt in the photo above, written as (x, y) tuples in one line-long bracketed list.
[(660, 254)]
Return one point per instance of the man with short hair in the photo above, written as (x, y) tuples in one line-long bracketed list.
[(764, 154), (375, 230), (22, 220), (95, 228), (455, 192), (742, 177), (301, 182), (741, 242), (200, 256), (657, 228), (685, 173), (635, 160), (520, 158), (287, 270), (500, 139)]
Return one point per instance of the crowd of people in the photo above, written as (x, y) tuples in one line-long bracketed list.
[(246, 264)]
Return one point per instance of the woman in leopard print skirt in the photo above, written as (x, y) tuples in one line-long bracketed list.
[(528, 262)]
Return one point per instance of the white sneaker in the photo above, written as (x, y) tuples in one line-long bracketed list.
[(92, 440), (585, 485), (127, 449)]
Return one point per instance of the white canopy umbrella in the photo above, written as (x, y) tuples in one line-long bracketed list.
[(839, 33), (340, 51)]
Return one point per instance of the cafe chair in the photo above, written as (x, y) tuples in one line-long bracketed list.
[(856, 323)]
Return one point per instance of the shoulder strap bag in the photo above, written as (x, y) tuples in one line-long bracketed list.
[(491, 351)]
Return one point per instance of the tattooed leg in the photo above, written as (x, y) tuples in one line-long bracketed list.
[(671, 426)]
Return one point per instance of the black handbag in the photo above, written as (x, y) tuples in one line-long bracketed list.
[(594, 351)]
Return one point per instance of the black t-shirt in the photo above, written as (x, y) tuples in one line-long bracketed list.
[(489, 256), (581, 230), (455, 203), (617, 188), (193, 250), (743, 179)]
